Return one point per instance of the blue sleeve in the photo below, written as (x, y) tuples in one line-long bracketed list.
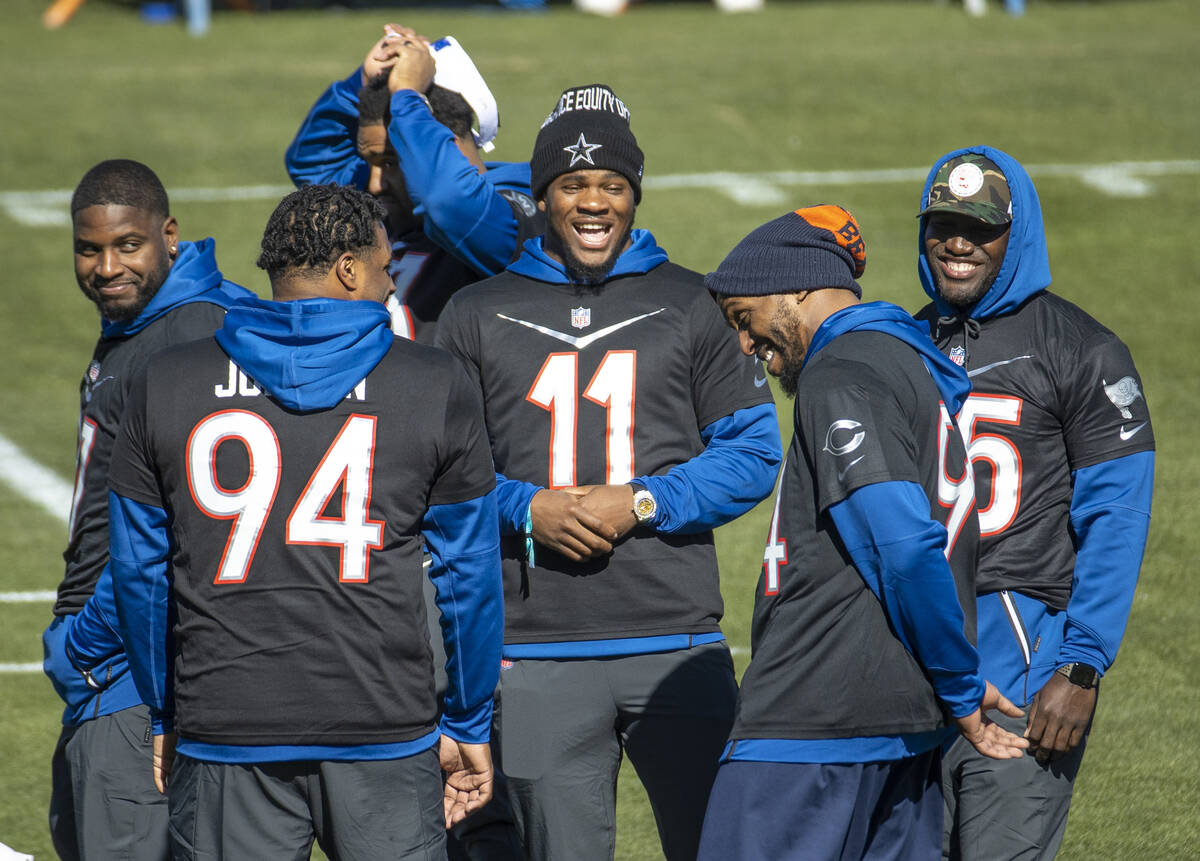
[(899, 551), (512, 503), (139, 556), (325, 148), (1110, 514), (94, 636), (736, 470), (463, 212), (465, 549)]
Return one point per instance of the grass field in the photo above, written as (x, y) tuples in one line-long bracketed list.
[(810, 87)]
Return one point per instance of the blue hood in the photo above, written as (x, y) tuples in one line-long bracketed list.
[(1026, 267), (194, 277), (638, 259), (893, 320), (508, 174), (307, 354)]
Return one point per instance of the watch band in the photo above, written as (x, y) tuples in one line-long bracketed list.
[(1080, 674)]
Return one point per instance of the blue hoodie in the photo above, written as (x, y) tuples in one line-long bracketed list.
[(194, 277), (84, 655), (1110, 501), (736, 469), (465, 212)]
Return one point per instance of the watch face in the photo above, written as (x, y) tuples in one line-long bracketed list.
[(1083, 675), (645, 507)]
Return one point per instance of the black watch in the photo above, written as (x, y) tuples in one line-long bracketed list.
[(1080, 675)]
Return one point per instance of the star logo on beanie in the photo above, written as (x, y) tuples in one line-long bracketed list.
[(581, 150)]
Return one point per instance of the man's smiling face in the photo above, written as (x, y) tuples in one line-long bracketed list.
[(964, 255), (589, 216)]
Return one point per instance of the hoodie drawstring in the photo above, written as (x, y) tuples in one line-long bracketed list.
[(970, 329)]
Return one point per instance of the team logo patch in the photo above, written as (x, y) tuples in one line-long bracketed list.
[(506, 664), (1122, 393), (93, 371), (581, 150), (966, 179), (581, 318), (844, 437), (958, 355)]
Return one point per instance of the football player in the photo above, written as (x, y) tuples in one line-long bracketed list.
[(863, 664), (273, 488), (625, 426), (400, 127), (1059, 432), (152, 290)]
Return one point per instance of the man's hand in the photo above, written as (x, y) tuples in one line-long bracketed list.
[(414, 66), (612, 503), (989, 738), (561, 523), (382, 55), (468, 774), (163, 760), (1059, 717)]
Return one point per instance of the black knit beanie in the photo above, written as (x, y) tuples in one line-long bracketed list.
[(587, 130), (811, 248)]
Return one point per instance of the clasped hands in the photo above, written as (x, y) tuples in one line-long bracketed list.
[(404, 55), (582, 522)]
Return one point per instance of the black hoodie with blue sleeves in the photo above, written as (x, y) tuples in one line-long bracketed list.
[(1060, 435)]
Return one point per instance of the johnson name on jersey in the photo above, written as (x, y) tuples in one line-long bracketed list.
[(297, 541)]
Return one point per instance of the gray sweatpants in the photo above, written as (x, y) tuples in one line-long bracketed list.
[(1005, 809), (357, 811), (565, 723), (103, 802)]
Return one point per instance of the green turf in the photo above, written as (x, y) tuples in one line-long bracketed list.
[(802, 86)]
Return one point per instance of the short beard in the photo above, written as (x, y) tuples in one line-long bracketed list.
[(153, 283), (589, 275), (789, 377)]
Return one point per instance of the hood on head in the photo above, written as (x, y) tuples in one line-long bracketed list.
[(1026, 267)]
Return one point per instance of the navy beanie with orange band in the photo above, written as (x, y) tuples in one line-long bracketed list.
[(809, 249)]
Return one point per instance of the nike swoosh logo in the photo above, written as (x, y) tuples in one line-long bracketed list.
[(759, 382), (975, 371), (102, 381), (842, 472), (580, 343), (1127, 434)]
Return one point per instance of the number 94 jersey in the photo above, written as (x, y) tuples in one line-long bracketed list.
[(297, 558)]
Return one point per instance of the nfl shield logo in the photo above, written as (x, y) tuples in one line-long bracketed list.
[(93, 372), (581, 318), (958, 355)]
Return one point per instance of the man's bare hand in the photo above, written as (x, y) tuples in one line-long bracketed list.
[(1059, 718), (414, 66), (163, 760), (989, 738), (561, 523), (612, 503), (468, 773), (382, 55)]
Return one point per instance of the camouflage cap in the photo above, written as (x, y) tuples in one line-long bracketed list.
[(972, 185)]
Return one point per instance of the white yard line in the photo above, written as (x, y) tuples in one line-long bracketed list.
[(30, 479), (27, 597), (1119, 179)]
